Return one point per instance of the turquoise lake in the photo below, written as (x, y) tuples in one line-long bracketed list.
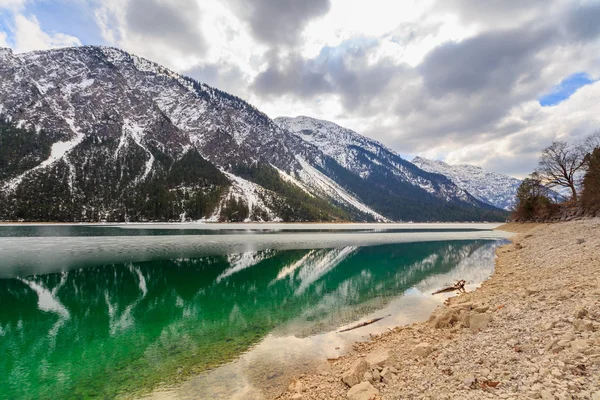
[(74, 326)]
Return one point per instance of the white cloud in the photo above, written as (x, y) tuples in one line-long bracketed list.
[(517, 152), (450, 79), (12, 4), (28, 36)]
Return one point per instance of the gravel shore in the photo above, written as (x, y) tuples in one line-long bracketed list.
[(530, 332)]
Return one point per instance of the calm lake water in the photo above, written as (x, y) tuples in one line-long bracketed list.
[(75, 327)]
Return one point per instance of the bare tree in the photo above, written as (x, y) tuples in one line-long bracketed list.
[(590, 143), (559, 165)]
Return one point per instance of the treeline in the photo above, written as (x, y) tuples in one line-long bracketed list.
[(95, 182), (570, 167), (402, 201), (22, 148), (291, 203), (104, 179)]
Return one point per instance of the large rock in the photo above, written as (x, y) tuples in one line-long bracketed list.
[(363, 391), (445, 318), (422, 350), (356, 373), (479, 322), (378, 357)]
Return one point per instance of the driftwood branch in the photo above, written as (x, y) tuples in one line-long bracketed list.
[(458, 286), (369, 322)]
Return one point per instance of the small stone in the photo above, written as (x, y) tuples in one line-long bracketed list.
[(581, 325), (556, 373), (482, 309), (580, 313), (579, 345), (462, 306), (422, 350), (386, 375), (376, 375), (295, 386), (297, 396), (470, 381), (531, 291), (356, 372), (378, 357), (479, 322), (363, 391), (368, 377), (596, 396), (547, 395)]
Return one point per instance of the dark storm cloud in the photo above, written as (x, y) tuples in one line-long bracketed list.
[(490, 61), (343, 70), (583, 21), (279, 22), (221, 75), (294, 74), (172, 22)]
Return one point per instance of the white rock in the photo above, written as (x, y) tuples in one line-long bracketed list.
[(363, 391), (356, 372), (422, 350), (378, 357)]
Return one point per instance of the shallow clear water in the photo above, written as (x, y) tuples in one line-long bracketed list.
[(99, 330)]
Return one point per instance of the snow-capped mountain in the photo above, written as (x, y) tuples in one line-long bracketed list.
[(490, 187), (387, 172), (96, 133)]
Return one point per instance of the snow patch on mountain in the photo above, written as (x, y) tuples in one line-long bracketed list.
[(362, 155), (490, 187), (252, 194), (318, 181)]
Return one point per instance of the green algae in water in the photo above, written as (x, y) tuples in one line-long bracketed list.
[(114, 330)]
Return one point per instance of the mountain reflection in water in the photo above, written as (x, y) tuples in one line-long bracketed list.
[(100, 331)]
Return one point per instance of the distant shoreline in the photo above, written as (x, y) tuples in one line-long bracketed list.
[(269, 225)]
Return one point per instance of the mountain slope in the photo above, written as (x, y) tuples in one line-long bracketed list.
[(490, 187), (96, 133), (382, 179)]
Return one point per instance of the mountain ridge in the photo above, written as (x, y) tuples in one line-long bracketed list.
[(110, 118), (490, 187)]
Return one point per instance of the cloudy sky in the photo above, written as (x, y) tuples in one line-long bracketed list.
[(466, 81)]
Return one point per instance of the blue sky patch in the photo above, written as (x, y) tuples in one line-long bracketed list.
[(75, 18), (565, 89)]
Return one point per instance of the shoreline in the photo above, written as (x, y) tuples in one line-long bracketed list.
[(530, 331)]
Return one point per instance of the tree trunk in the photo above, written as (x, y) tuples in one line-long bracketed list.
[(574, 192)]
